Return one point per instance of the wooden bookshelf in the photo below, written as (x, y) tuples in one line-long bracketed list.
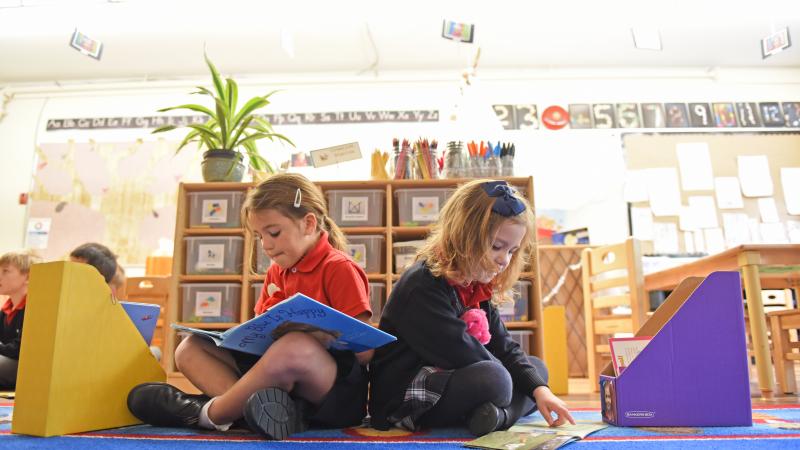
[(390, 230)]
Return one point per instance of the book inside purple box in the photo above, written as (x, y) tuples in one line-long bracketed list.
[(694, 371)]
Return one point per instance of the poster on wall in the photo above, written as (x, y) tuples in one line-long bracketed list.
[(122, 195), (38, 233)]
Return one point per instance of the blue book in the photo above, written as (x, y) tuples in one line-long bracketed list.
[(144, 316), (297, 313)]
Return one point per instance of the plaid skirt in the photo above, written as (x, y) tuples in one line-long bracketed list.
[(420, 397)]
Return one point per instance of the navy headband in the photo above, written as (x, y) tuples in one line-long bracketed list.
[(505, 203)]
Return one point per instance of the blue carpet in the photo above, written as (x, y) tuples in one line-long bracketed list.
[(760, 435)]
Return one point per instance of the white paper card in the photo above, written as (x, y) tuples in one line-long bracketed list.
[(793, 230), (208, 304), (768, 210), (355, 209), (695, 165), (665, 195), (773, 233), (38, 232), (424, 209), (215, 210), (688, 242), (704, 211), (642, 223), (665, 238), (755, 230), (336, 154), (210, 256), (687, 220), (790, 180), (736, 229), (635, 188), (715, 240), (754, 176), (728, 192), (699, 241)]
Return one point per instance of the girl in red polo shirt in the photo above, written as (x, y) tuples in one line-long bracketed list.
[(298, 380), (454, 362)]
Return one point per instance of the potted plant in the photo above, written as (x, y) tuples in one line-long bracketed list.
[(228, 134)]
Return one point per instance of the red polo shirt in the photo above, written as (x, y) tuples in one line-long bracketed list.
[(10, 310), (324, 274)]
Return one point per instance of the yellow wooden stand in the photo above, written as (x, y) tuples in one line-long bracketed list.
[(81, 355), (555, 348)]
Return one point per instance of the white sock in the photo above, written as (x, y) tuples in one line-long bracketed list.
[(205, 421)]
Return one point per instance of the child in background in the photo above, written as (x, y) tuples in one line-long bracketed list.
[(440, 372), (97, 255), (298, 380), (14, 271)]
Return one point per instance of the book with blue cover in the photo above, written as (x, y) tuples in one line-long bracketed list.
[(144, 316), (297, 313)]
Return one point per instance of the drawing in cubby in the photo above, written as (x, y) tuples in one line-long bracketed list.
[(367, 251), (356, 207), (420, 206), (215, 209)]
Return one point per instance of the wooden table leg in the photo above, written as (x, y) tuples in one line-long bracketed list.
[(748, 263)]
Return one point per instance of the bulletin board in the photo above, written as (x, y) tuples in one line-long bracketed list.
[(658, 150)]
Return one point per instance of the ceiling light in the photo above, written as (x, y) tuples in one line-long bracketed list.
[(646, 38)]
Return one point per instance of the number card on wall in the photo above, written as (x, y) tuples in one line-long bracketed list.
[(677, 117), (700, 115), (580, 116), (603, 115)]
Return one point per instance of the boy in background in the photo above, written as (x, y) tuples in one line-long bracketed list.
[(14, 271)]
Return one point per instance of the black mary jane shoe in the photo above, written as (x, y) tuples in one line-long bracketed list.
[(486, 418), (163, 405), (275, 414)]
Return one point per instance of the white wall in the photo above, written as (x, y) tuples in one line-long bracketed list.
[(576, 170)]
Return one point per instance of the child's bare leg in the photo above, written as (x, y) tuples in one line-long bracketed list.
[(210, 368), (296, 363)]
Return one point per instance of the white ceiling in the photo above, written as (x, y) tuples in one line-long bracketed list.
[(156, 40)]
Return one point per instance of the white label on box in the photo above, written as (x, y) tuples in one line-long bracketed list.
[(424, 209), (403, 261), (359, 254), (355, 209), (211, 256), (215, 211), (208, 304)]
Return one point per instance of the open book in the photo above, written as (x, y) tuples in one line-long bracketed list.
[(297, 313), (144, 316), (535, 436)]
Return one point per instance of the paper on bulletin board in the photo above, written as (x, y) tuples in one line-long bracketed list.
[(665, 238), (642, 223), (736, 229), (704, 211), (793, 230), (687, 220), (790, 180), (38, 232), (695, 165), (755, 230), (688, 241), (728, 192), (635, 188), (768, 210), (773, 233), (754, 175), (664, 192), (699, 241), (715, 240)]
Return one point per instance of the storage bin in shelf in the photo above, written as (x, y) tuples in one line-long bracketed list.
[(210, 302), (417, 207), (356, 207), (262, 260), (367, 251), (523, 338), (377, 294), (215, 209), (206, 255), (694, 371), (404, 254), (518, 310)]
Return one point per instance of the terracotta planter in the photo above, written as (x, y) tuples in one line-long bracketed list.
[(222, 165)]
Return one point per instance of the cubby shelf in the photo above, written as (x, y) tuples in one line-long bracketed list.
[(391, 231)]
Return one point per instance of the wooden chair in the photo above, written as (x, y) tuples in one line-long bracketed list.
[(782, 323), (153, 290), (612, 276)]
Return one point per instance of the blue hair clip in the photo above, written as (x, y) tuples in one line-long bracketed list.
[(505, 203)]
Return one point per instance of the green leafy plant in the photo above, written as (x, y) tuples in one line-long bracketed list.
[(227, 128)]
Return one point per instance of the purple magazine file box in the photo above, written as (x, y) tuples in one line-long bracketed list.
[(694, 372)]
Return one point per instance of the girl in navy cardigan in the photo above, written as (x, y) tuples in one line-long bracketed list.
[(454, 362)]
